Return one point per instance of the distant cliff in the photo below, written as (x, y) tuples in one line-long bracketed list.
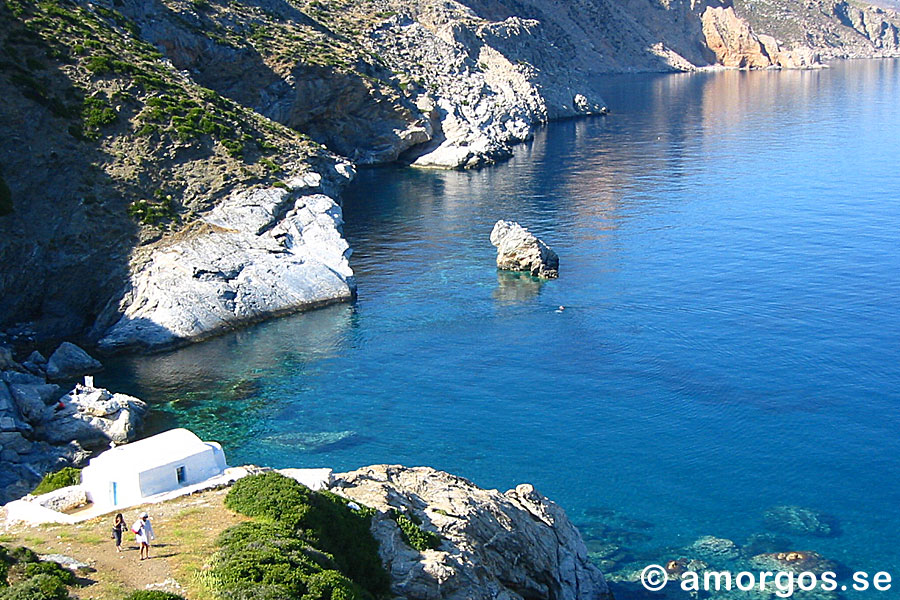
[(170, 166)]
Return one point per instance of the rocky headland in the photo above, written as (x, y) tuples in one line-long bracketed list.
[(173, 168), (490, 544)]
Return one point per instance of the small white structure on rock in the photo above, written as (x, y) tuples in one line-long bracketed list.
[(126, 475)]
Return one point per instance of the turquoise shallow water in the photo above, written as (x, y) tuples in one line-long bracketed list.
[(731, 341)]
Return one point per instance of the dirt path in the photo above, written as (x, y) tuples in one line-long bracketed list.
[(186, 530)]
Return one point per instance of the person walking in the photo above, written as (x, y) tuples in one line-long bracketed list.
[(143, 533), (117, 530)]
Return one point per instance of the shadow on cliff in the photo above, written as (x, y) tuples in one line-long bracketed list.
[(349, 112), (65, 248)]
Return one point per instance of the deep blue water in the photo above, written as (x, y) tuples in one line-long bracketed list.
[(730, 270)]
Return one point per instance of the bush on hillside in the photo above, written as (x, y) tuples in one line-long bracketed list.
[(50, 568), (302, 535), (269, 496), (39, 587), (331, 585), (414, 535), (53, 481), (21, 554)]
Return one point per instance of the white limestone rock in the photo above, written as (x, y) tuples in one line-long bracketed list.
[(94, 417), (493, 546), (520, 250), (260, 253)]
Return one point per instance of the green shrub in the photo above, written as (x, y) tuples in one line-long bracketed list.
[(6, 205), (329, 525), (152, 595), (414, 535), (153, 213), (331, 585), (315, 531), (269, 496), (96, 113), (39, 587), (23, 555), (50, 568), (53, 481)]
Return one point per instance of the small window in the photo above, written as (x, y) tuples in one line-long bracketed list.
[(179, 475)]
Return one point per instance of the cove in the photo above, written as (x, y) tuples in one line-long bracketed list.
[(729, 267)]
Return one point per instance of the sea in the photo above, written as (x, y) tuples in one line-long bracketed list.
[(723, 340)]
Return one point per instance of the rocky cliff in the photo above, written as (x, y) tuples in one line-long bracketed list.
[(172, 166), (511, 545)]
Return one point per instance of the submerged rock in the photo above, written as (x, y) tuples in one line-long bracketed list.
[(715, 549), (802, 521), (520, 250), (69, 361), (763, 543), (794, 562), (310, 442), (509, 546)]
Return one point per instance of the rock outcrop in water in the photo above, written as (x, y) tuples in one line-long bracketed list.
[(519, 250), (514, 545), (259, 253), (800, 520)]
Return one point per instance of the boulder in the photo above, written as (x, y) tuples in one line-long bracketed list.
[(94, 418), (794, 562), (13, 440), (34, 401), (520, 250), (69, 362), (23, 378), (36, 358), (511, 546), (6, 359)]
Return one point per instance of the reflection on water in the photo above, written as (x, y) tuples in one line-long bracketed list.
[(730, 343), (513, 287)]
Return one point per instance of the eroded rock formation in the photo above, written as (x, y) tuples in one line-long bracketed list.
[(519, 250), (512, 545)]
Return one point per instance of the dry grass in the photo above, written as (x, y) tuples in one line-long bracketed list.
[(186, 531)]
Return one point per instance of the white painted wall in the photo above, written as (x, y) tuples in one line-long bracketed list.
[(136, 476)]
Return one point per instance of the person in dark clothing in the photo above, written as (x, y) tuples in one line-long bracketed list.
[(117, 531)]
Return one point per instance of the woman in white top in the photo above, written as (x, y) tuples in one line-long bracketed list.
[(143, 533)]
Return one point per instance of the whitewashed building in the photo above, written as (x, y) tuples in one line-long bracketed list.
[(126, 475)]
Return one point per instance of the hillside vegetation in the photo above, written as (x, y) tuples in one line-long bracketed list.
[(127, 121)]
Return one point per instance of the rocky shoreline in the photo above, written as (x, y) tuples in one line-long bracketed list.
[(216, 204), (43, 428)]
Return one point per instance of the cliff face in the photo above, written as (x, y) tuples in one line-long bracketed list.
[(510, 546), (835, 29), (133, 125)]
